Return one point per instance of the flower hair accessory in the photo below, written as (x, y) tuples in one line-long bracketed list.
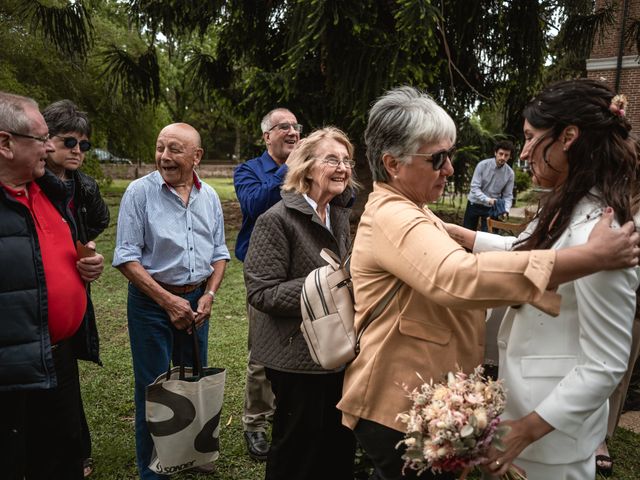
[(618, 105)]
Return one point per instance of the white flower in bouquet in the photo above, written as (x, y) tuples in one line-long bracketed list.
[(451, 425)]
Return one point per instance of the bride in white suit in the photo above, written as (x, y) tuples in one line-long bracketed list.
[(559, 371)]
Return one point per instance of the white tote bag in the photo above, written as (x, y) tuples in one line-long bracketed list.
[(183, 409)]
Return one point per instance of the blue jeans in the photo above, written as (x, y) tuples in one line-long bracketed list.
[(152, 336)]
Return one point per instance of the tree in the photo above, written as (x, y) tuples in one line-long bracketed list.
[(50, 61), (329, 59)]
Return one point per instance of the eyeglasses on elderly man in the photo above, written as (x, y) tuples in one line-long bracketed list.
[(42, 139), (285, 126)]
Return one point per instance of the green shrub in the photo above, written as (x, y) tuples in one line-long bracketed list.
[(92, 167), (522, 180)]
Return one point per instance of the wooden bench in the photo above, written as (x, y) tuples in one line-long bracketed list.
[(514, 229)]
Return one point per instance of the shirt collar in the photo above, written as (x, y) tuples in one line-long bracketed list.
[(32, 189), (196, 181), (314, 205), (268, 163)]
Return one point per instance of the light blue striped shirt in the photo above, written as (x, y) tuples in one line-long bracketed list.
[(175, 244), (489, 181)]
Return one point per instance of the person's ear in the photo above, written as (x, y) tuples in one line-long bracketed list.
[(5, 144), (265, 137), (197, 156), (569, 135), (391, 164)]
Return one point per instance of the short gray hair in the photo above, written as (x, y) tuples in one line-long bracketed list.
[(64, 116), (12, 113), (266, 124), (401, 121)]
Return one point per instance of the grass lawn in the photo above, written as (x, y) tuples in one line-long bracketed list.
[(108, 390)]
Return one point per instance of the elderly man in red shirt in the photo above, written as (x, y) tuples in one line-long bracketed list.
[(43, 302)]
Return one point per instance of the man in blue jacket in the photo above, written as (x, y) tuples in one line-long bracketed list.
[(43, 303), (257, 183)]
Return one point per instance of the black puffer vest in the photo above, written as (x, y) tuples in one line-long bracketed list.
[(25, 349)]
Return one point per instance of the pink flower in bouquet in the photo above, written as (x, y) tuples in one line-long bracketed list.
[(451, 425)]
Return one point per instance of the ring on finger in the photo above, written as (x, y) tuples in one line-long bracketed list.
[(497, 462)]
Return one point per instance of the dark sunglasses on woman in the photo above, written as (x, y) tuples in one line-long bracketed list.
[(437, 159), (71, 142)]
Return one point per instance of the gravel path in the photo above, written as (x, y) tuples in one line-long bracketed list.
[(630, 421)]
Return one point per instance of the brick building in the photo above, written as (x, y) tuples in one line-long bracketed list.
[(616, 63)]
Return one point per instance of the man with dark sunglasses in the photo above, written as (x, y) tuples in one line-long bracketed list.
[(77, 192), (491, 192), (44, 306), (257, 183)]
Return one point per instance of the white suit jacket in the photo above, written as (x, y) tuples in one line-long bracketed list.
[(566, 367)]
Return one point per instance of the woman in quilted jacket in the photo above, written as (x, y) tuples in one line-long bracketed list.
[(308, 441)]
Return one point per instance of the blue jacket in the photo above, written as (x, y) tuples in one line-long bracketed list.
[(498, 209), (257, 183)]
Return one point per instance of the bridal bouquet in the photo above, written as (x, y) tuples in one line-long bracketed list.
[(451, 425)]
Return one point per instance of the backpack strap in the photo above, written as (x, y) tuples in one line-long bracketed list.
[(376, 312), (331, 258)]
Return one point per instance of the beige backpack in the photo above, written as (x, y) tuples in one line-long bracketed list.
[(327, 313)]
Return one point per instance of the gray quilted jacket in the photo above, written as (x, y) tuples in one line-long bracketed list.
[(285, 246)]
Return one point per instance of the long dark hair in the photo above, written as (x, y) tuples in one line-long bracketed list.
[(603, 156)]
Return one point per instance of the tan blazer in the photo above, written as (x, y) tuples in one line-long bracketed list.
[(436, 320)]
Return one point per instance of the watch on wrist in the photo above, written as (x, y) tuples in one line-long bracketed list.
[(212, 293)]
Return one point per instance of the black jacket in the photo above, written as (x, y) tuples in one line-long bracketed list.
[(92, 214), (90, 218)]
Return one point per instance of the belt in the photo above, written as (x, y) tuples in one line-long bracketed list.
[(181, 289)]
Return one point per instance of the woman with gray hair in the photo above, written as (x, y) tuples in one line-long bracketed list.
[(308, 440), (77, 192), (436, 320)]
